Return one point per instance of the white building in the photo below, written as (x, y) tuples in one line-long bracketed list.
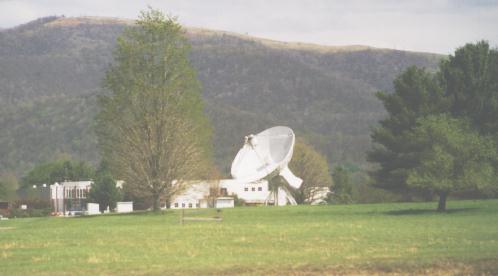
[(69, 196), (204, 194), (195, 196)]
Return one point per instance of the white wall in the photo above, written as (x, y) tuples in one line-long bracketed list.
[(124, 207), (92, 208), (225, 202), (192, 197), (254, 192)]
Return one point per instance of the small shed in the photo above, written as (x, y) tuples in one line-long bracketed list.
[(124, 207), (225, 202), (92, 209)]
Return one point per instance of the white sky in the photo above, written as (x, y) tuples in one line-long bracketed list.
[(432, 26)]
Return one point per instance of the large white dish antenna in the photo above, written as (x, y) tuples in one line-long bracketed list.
[(266, 154)]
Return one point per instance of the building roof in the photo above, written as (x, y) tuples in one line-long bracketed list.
[(75, 184), (225, 198)]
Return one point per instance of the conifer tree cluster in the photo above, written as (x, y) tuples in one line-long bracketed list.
[(441, 130)]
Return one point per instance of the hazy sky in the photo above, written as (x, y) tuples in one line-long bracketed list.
[(431, 26)]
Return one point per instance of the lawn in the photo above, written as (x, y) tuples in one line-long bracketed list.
[(347, 239)]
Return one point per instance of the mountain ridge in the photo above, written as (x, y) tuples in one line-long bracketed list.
[(191, 30)]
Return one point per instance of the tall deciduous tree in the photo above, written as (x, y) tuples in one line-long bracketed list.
[(451, 157), (313, 168), (151, 127)]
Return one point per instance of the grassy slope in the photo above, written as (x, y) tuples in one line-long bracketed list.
[(303, 239)]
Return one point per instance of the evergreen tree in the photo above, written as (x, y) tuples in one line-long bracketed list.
[(417, 94), (343, 189), (104, 192), (470, 80), (461, 100)]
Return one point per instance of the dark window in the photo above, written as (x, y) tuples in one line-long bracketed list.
[(183, 205), (246, 189), (190, 205), (197, 205), (223, 191), (176, 204), (253, 189), (260, 188)]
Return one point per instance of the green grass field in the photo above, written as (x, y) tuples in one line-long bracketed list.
[(348, 239)]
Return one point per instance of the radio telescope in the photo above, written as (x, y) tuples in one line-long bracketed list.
[(265, 156)]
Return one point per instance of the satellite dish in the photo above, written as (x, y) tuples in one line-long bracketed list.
[(265, 155)]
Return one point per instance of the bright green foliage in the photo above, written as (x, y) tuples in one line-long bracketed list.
[(452, 157), (151, 126), (104, 192), (343, 189), (58, 171), (312, 168)]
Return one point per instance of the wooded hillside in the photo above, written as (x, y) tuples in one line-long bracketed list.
[(51, 70)]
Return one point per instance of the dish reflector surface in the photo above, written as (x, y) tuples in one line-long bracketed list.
[(263, 154)]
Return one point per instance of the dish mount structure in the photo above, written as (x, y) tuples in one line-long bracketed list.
[(265, 156)]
